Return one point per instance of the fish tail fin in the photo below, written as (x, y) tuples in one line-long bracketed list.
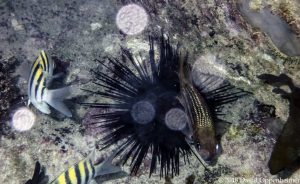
[(55, 97), (106, 167), (39, 175)]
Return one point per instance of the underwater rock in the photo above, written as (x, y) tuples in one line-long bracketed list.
[(287, 148), (211, 28), (287, 10), (9, 94), (278, 30)]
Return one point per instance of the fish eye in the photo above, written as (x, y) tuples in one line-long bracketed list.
[(198, 146), (218, 149)]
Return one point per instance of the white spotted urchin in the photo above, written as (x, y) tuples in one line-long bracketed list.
[(145, 111)]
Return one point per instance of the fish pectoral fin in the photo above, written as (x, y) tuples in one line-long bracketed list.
[(188, 140), (55, 97), (50, 78), (58, 75), (43, 107), (198, 156), (45, 73)]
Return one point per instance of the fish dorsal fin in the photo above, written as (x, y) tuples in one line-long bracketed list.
[(184, 69), (47, 63), (51, 65)]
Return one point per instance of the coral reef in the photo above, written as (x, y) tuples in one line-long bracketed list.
[(217, 35)]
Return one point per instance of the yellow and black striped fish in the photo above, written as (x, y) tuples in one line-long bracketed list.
[(85, 171), (82, 173), (39, 95)]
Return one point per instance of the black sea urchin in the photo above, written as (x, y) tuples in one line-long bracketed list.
[(143, 96), (146, 113)]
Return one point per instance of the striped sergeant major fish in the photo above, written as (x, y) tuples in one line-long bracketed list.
[(41, 75), (83, 172)]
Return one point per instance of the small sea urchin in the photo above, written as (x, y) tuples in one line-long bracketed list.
[(146, 113)]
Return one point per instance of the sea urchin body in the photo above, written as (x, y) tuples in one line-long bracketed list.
[(146, 113), (143, 96)]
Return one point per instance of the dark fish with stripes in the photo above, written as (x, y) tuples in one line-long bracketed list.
[(201, 124), (41, 75)]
